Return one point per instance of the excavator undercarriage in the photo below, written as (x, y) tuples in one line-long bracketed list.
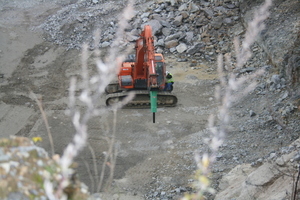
[(141, 99)]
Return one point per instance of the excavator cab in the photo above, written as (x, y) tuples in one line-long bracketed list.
[(160, 70)]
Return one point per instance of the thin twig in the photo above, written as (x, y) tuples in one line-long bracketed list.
[(89, 173), (295, 191), (112, 151), (45, 119), (100, 182), (94, 163)]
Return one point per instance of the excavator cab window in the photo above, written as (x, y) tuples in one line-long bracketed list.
[(157, 57), (159, 70)]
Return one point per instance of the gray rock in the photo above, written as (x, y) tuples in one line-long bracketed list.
[(105, 44), (174, 36), (130, 37), (160, 42), (172, 49), (157, 17), (228, 20), (193, 7), (220, 9), (159, 50), (217, 22), (236, 18), (208, 12), (181, 48), (177, 190), (170, 44), (145, 19), (4, 157), (155, 24), (272, 155), (237, 29), (204, 3), (230, 6), (297, 157), (284, 96), (263, 175), (183, 7), (158, 10), (173, 2), (165, 23), (278, 127), (185, 14), (196, 48), (252, 113), (80, 19), (178, 20), (275, 79), (145, 15), (182, 60), (192, 17), (207, 58), (17, 195), (259, 161), (247, 70), (166, 31), (135, 32), (189, 36), (201, 21)]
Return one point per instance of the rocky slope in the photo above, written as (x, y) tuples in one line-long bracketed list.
[(280, 39)]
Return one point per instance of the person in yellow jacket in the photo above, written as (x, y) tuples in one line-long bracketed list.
[(169, 81)]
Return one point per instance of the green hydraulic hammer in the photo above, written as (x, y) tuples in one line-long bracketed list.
[(153, 103)]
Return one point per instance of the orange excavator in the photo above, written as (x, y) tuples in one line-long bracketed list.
[(144, 73)]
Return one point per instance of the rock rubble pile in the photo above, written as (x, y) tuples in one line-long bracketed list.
[(199, 29)]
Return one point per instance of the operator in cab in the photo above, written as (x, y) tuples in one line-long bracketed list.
[(169, 82)]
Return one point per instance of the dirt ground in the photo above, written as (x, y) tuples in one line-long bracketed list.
[(150, 156), (28, 63)]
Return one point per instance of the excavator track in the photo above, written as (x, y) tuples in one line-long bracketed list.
[(142, 99)]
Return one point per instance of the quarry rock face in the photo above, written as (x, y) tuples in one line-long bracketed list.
[(281, 37)]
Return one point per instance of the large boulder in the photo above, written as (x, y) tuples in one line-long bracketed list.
[(24, 167), (271, 180)]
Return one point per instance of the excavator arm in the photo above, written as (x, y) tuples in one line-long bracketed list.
[(146, 48), (145, 59), (152, 75)]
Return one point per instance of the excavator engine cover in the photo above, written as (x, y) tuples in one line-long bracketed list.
[(126, 80)]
